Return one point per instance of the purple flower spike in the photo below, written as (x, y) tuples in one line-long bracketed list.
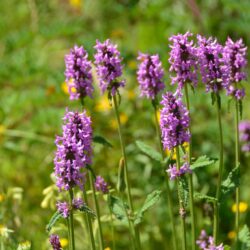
[(63, 208), (214, 75), (206, 242), (108, 66), (55, 242), (101, 185), (74, 150), (234, 56), (149, 75), (244, 128), (185, 168), (78, 73), (174, 122), (183, 60), (173, 172), (77, 203)]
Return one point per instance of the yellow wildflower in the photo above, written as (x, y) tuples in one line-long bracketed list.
[(243, 206), (64, 242), (65, 88), (107, 248), (231, 235), (2, 129), (103, 104), (123, 120), (4, 231), (26, 245), (1, 198), (75, 3), (185, 145)]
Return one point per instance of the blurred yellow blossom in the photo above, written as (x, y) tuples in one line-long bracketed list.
[(243, 206), (103, 104), (231, 235), (76, 3), (107, 248), (185, 146), (64, 242), (132, 64), (65, 88), (4, 231), (1, 198), (117, 33), (131, 94), (26, 245), (123, 120), (2, 129)]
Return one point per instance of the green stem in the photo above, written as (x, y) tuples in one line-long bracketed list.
[(237, 161), (137, 235), (181, 203), (169, 198), (71, 220), (190, 178), (69, 232), (112, 229), (97, 212), (89, 223), (216, 205)]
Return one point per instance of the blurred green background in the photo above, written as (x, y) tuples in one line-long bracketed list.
[(34, 37)]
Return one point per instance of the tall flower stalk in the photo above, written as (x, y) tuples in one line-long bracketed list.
[(234, 56), (109, 69), (150, 78), (174, 123), (183, 63)]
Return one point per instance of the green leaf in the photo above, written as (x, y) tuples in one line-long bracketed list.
[(121, 184), (151, 200), (244, 238), (149, 151), (183, 190), (232, 181), (202, 161), (56, 216), (226, 247), (118, 207), (199, 196), (101, 140), (87, 210)]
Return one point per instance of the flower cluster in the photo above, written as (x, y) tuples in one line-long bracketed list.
[(108, 66), (55, 242), (78, 73), (244, 128), (101, 185), (234, 57), (64, 207), (206, 242), (74, 150), (149, 75), (174, 172), (183, 60), (174, 122), (209, 52)]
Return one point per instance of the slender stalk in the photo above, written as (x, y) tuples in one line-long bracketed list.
[(112, 229), (216, 205), (97, 212), (169, 198), (190, 178), (237, 161), (182, 208), (137, 235), (71, 220), (89, 223), (69, 233)]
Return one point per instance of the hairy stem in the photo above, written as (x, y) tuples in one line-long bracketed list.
[(71, 220), (137, 235), (190, 178), (169, 198)]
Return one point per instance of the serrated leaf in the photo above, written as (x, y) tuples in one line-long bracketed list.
[(101, 140), (244, 238), (118, 207), (183, 190), (87, 210), (149, 151), (232, 181), (150, 201), (56, 216), (202, 161), (199, 196)]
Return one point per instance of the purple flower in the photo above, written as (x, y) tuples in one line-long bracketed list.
[(77, 203), (244, 128), (55, 242), (74, 150), (183, 61), (101, 185), (206, 242), (174, 122), (108, 66), (63, 208), (78, 73), (174, 172), (234, 57), (149, 75), (213, 74)]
